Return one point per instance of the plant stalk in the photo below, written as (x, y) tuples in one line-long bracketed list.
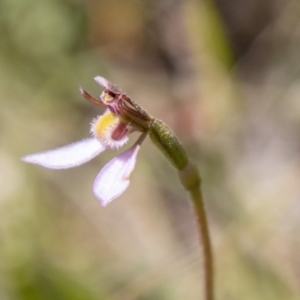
[(201, 219)]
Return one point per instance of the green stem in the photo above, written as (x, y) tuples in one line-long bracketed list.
[(170, 146), (196, 197), (191, 181)]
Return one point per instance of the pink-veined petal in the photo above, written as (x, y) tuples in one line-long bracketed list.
[(113, 179), (68, 156)]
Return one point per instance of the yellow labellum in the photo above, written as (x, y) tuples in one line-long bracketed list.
[(109, 130), (104, 123)]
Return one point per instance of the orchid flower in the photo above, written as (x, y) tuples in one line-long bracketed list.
[(109, 131)]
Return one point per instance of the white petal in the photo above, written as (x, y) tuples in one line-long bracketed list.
[(113, 179), (68, 156), (102, 81), (107, 84)]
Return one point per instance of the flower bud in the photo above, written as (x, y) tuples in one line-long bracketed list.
[(164, 138)]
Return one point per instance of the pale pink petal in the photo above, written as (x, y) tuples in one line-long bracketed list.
[(68, 156), (102, 81), (113, 179), (107, 84)]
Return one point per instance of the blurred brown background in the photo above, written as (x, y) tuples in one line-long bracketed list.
[(225, 75)]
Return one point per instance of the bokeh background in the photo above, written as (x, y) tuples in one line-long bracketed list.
[(225, 75)]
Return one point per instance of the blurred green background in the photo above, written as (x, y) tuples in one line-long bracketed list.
[(225, 75)]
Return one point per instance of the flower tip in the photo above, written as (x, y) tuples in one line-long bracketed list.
[(105, 197), (102, 81), (106, 191), (81, 90), (102, 198), (34, 159), (26, 159), (104, 202)]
